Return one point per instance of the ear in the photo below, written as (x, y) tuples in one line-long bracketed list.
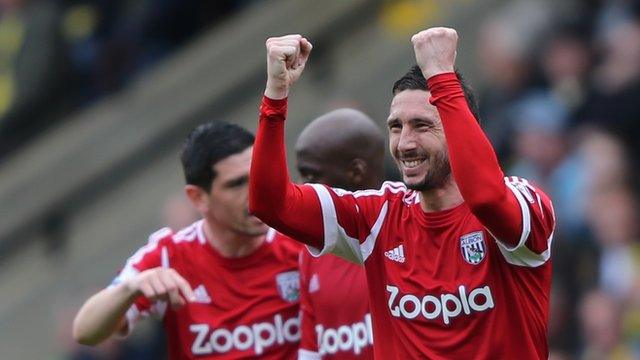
[(357, 171), (198, 197)]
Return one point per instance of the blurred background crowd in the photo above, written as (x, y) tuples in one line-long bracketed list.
[(58, 55), (557, 83)]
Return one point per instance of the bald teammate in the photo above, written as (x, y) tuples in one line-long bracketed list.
[(343, 149)]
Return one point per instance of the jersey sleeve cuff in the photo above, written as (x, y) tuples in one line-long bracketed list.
[(275, 109), (444, 85)]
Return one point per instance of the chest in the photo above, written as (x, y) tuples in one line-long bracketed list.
[(229, 296), (336, 284), (439, 259)]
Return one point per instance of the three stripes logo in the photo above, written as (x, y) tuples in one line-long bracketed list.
[(396, 254), (202, 296)]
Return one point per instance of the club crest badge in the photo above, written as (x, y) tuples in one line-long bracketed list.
[(472, 247), (289, 285)]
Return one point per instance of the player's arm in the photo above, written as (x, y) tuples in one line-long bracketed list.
[(273, 197), (328, 220), (473, 161), (104, 313)]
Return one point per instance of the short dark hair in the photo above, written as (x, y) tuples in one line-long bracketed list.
[(208, 144), (414, 80)]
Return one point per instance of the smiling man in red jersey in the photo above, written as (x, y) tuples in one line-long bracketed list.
[(458, 258)]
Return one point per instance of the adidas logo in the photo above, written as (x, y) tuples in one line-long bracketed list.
[(397, 254), (201, 295)]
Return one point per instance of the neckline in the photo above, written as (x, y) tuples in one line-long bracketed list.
[(236, 262), (438, 219)]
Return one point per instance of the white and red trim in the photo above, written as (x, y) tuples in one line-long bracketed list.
[(336, 240), (520, 254)]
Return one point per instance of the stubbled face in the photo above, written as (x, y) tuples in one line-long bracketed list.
[(417, 142), (228, 199)]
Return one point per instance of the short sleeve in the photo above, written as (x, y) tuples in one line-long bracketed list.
[(154, 254), (538, 223)]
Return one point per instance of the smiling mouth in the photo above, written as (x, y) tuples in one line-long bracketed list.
[(410, 164)]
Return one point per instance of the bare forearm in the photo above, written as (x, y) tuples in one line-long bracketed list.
[(102, 315)]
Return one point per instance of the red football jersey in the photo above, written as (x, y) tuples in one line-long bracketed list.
[(334, 301), (245, 307), (441, 287)]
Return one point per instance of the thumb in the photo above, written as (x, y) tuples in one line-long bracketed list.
[(305, 51)]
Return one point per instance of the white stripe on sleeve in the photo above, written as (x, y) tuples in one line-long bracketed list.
[(526, 219), (520, 255), (336, 240)]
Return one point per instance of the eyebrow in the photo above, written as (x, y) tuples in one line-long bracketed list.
[(236, 181), (413, 120)]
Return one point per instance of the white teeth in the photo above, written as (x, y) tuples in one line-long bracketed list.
[(412, 164)]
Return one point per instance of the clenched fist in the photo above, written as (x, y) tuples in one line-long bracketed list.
[(161, 284), (435, 50), (286, 58)]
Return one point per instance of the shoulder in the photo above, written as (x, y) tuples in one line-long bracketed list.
[(167, 237), (390, 190), (537, 208), (526, 190), (190, 234)]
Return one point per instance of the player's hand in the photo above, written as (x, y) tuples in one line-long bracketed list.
[(163, 284), (435, 50), (286, 58)]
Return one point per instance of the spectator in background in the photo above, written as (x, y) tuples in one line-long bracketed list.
[(32, 69), (613, 217), (504, 46), (613, 100), (565, 62), (543, 155), (600, 320), (112, 41), (606, 160)]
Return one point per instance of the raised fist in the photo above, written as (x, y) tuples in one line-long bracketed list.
[(163, 284), (286, 58), (435, 50)]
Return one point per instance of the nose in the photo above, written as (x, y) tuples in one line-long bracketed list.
[(407, 141)]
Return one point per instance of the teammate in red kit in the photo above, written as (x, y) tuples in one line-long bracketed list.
[(231, 285), (457, 259), (343, 148)]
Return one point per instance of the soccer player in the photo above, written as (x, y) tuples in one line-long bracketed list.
[(225, 287), (343, 148), (457, 261)]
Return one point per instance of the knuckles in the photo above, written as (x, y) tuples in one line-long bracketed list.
[(433, 34)]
